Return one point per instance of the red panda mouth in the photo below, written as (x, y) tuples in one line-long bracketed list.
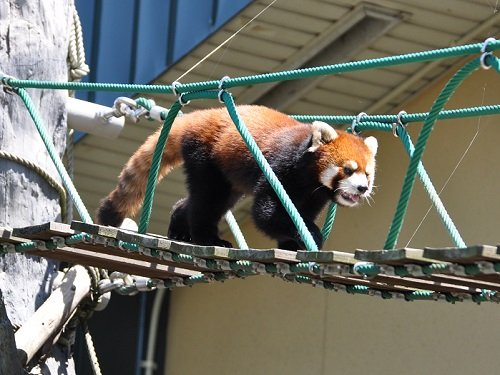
[(352, 199)]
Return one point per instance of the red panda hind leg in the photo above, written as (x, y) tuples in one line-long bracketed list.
[(210, 195)]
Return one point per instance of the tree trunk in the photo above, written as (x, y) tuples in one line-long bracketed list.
[(33, 45)]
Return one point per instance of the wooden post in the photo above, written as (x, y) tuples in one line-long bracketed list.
[(55, 311), (34, 39)]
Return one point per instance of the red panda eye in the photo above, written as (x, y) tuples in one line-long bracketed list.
[(348, 171)]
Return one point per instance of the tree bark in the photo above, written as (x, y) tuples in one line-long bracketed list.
[(9, 362), (33, 45)]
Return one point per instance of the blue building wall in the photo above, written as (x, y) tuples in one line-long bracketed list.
[(133, 41)]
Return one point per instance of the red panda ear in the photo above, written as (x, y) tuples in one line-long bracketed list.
[(321, 133), (372, 144)]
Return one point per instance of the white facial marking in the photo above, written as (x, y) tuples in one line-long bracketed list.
[(370, 170), (357, 179), (351, 164), (328, 174), (351, 190)]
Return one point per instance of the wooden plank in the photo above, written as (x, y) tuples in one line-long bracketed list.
[(53, 313), (161, 243), (208, 252), (44, 231), (96, 229), (273, 33), (107, 255), (132, 255), (425, 18), (317, 10), (297, 20), (351, 86), (115, 262), (146, 240), (423, 284), (48, 230), (464, 256), (7, 236), (394, 257), (346, 280), (264, 256), (326, 257), (469, 282)]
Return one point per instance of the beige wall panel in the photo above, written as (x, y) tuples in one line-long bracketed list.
[(263, 325)]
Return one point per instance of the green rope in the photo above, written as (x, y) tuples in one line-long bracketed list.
[(329, 220), (415, 57), (86, 86), (422, 174), (66, 180), (229, 217), (236, 230), (427, 128), (299, 223), (431, 191), (405, 118), (147, 206), (288, 75), (425, 295)]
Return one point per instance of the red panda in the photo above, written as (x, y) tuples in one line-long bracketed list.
[(314, 162)]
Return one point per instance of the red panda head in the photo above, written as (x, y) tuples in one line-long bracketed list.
[(346, 163)]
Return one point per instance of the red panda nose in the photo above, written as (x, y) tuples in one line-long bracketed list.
[(362, 188)]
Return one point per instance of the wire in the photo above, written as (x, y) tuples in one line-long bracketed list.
[(226, 41)]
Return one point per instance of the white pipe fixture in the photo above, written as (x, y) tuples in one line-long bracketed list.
[(90, 118)]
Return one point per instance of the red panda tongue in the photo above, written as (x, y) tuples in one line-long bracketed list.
[(352, 197)]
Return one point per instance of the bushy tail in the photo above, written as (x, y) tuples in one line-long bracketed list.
[(126, 199)]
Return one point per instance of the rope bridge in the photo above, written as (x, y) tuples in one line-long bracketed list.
[(453, 274)]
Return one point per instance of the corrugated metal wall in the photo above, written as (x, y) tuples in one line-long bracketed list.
[(133, 41)]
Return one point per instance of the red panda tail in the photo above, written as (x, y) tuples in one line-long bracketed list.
[(126, 199)]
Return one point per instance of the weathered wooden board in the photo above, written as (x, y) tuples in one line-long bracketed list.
[(7, 236), (159, 257), (346, 280), (326, 257), (146, 240), (108, 257), (394, 257), (44, 231), (467, 255), (115, 262), (470, 282), (163, 243), (424, 284)]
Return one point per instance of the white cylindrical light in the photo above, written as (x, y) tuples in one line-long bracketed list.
[(89, 117)]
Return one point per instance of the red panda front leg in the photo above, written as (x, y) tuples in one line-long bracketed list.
[(179, 224), (271, 217)]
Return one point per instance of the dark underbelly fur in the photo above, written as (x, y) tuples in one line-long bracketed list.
[(211, 192)]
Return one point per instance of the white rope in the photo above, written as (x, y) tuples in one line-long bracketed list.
[(76, 52), (70, 158), (96, 369), (42, 173)]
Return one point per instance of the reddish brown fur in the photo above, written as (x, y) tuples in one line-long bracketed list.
[(345, 147), (213, 127), (215, 131)]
